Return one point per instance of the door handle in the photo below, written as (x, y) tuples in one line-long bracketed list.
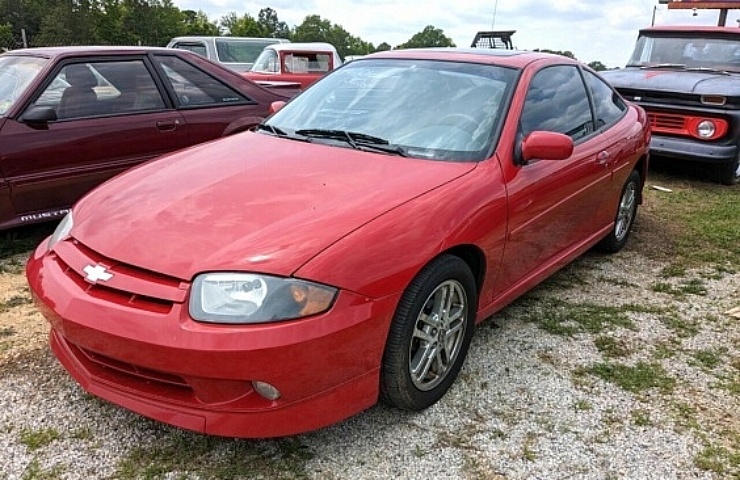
[(603, 158), (166, 125)]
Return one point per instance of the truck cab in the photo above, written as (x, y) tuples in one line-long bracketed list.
[(294, 63), (688, 81)]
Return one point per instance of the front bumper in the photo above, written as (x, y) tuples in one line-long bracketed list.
[(695, 150), (156, 361)]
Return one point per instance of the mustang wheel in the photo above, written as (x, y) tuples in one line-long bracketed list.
[(430, 335), (626, 213)]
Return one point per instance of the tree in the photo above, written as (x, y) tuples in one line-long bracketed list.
[(244, 26), (6, 37), (566, 53), (383, 47), (69, 22), (429, 37), (275, 28), (316, 29), (597, 65), (197, 23)]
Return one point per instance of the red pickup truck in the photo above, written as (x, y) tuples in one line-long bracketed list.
[(294, 63)]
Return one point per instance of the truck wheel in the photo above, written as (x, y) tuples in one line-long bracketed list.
[(730, 174)]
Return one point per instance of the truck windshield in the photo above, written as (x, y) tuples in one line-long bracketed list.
[(687, 52), (16, 74)]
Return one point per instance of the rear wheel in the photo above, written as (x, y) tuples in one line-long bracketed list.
[(430, 335), (625, 219)]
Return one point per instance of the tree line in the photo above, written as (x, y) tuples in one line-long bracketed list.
[(39, 23)]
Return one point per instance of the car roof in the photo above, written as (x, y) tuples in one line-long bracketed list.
[(693, 29), (207, 38), (303, 47), (52, 52), (494, 56)]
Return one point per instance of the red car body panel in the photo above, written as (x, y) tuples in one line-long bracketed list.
[(47, 168), (363, 222), (279, 233)]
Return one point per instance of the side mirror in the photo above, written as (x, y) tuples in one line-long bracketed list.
[(275, 106), (546, 146), (39, 116)]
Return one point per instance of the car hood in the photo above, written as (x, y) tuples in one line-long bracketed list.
[(664, 80), (250, 202)]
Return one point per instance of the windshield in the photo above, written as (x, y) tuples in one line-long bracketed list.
[(240, 51), (16, 73), (424, 109), (687, 52), (267, 62)]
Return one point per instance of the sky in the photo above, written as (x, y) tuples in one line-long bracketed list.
[(592, 30)]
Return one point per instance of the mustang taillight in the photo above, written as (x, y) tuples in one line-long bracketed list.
[(703, 128)]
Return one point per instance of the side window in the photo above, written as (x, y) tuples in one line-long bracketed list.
[(608, 106), (194, 87), (557, 101), (198, 48), (307, 62), (101, 88)]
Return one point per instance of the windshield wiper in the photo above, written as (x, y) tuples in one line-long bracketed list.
[(278, 132), (357, 140), (707, 69), (664, 65)]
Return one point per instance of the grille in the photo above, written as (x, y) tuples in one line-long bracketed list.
[(129, 286), (666, 122)]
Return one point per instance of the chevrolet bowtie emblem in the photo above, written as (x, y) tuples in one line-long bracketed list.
[(97, 273)]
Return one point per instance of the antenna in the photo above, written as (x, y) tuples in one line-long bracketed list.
[(493, 22)]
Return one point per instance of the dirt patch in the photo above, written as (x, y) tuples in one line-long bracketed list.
[(22, 328)]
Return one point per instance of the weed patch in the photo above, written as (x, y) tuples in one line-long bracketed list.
[(635, 379)]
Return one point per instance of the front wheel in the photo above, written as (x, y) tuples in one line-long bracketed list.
[(730, 174), (430, 335), (625, 219)]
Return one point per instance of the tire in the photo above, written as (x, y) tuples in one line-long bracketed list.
[(730, 174), (625, 219), (430, 335)]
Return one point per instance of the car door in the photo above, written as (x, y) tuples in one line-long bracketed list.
[(553, 204), (91, 120), (609, 111), (210, 107)]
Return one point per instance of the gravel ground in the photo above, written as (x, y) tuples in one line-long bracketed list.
[(541, 396)]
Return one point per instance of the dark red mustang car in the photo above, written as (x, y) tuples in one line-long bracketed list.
[(73, 117), (282, 280)]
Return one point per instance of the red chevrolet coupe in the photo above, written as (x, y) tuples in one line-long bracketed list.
[(281, 280)]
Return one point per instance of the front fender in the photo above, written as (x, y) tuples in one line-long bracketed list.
[(242, 124), (381, 257)]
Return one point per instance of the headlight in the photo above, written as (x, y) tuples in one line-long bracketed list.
[(706, 129), (61, 232), (251, 298)]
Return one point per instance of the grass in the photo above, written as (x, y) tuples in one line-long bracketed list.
[(36, 439), (215, 458), (635, 379), (710, 358), (611, 347), (704, 227), (560, 317), (15, 301)]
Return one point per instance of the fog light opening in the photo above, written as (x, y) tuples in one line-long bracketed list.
[(266, 390)]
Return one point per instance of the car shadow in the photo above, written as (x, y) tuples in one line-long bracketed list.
[(23, 240)]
